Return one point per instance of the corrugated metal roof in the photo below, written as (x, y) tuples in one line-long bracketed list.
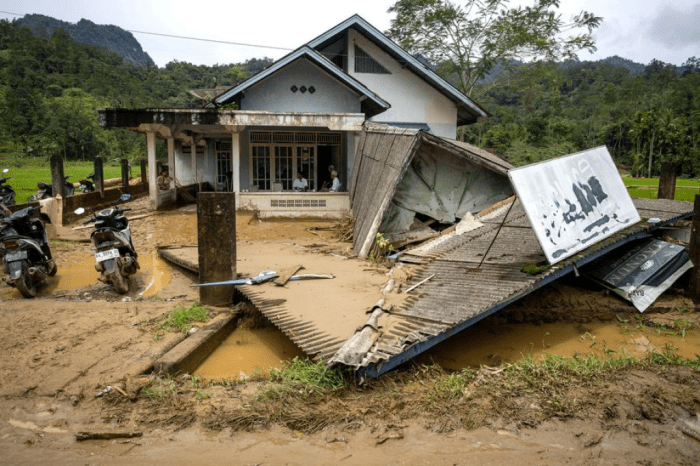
[(460, 294)]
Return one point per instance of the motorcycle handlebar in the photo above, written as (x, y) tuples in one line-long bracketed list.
[(89, 221)]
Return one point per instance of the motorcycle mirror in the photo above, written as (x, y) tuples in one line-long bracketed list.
[(5, 170), (125, 197), (79, 211)]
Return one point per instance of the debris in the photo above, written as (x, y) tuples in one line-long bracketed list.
[(286, 274), (408, 290), (266, 277), (80, 436), (641, 273), (121, 391), (106, 390)]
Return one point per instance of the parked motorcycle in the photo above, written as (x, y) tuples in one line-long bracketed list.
[(25, 252), (115, 256), (87, 184), (45, 190), (7, 194)]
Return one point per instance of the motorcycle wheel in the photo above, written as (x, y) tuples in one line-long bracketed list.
[(120, 282), (25, 285)]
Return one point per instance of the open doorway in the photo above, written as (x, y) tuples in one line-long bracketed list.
[(327, 156)]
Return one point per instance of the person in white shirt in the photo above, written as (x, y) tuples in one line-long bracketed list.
[(300, 183), (335, 187)]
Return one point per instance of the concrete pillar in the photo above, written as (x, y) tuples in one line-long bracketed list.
[(171, 160), (99, 176), (694, 250), (193, 161), (216, 244), (144, 180), (125, 175), (667, 181), (236, 161), (152, 170), (57, 177)]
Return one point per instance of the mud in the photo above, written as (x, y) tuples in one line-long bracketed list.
[(77, 337)]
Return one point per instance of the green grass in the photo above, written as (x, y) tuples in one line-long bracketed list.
[(25, 178), (181, 319), (647, 188), (302, 378)]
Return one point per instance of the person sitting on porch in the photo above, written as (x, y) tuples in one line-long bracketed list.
[(300, 183), (164, 180), (335, 186)]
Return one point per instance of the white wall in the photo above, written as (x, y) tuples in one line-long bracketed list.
[(412, 99), (274, 95)]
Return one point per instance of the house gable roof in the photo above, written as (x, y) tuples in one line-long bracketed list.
[(468, 111), (371, 103)]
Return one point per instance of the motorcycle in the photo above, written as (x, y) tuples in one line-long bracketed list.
[(45, 190), (25, 252), (115, 256), (7, 194), (87, 184)]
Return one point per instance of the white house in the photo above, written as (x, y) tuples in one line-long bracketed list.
[(301, 114)]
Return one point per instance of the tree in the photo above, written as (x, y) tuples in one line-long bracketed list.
[(468, 41)]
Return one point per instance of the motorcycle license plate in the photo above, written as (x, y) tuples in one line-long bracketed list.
[(108, 254), (15, 256)]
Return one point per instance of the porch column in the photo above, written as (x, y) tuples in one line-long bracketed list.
[(193, 162), (236, 155), (152, 175), (236, 161), (171, 160)]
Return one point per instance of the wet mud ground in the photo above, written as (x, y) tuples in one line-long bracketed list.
[(77, 337)]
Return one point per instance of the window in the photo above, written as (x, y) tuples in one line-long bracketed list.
[(276, 157), (366, 64)]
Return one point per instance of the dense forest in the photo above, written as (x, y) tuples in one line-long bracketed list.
[(50, 87)]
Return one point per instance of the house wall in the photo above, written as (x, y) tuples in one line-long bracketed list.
[(412, 99), (274, 94), (205, 165)]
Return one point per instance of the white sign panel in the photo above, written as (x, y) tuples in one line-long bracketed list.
[(574, 201)]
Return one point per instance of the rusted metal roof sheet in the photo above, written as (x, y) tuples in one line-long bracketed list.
[(460, 294)]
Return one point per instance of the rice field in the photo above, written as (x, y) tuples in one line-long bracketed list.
[(647, 188), (25, 178)]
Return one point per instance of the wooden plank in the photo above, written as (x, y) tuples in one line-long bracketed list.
[(285, 275)]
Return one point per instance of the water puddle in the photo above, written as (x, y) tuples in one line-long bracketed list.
[(489, 344), (247, 350)]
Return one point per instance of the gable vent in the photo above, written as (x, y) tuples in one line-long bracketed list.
[(366, 64)]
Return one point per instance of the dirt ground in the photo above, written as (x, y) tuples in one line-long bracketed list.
[(61, 349)]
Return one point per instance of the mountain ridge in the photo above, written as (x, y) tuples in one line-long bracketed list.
[(110, 37)]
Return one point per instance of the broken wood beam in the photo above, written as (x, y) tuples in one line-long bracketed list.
[(286, 274)]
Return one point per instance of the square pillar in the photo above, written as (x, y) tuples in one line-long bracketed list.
[(236, 161), (152, 170), (171, 160)]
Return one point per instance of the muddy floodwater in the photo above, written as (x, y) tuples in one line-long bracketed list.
[(489, 344), (247, 350)]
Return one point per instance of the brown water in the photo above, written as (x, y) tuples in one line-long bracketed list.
[(246, 350), (487, 344)]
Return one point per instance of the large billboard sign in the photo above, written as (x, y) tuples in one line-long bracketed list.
[(574, 201)]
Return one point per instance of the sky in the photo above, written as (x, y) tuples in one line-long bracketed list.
[(639, 30)]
